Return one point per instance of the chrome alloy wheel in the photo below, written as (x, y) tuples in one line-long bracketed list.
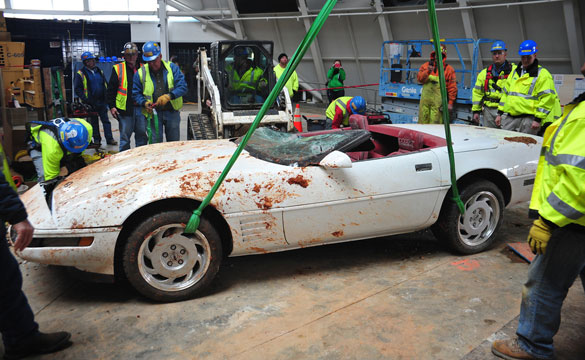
[(170, 260), (482, 213)]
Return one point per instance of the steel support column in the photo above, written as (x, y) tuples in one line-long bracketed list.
[(470, 30), (315, 49), (240, 32), (164, 29), (575, 44)]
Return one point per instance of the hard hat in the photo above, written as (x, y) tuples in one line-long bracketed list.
[(108, 59), (74, 136), (357, 105), (102, 59), (499, 45), (150, 51), (114, 58), (241, 51), (130, 49), (87, 56), (528, 47), (443, 51)]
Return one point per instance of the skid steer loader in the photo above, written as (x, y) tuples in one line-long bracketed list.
[(233, 82)]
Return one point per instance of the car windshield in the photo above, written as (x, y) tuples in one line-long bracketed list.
[(295, 150)]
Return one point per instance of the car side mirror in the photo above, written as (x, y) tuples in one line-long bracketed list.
[(336, 160)]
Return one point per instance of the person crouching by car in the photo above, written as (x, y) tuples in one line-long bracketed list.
[(54, 144)]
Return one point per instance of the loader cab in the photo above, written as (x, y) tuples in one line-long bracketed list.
[(243, 72)]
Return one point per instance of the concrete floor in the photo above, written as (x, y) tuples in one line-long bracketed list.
[(401, 297)]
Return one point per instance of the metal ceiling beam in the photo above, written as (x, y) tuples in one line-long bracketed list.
[(521, 22), (205, 22), (356, 54), (240, 32), (470, 30), (315, 48), (164, 27), (575, 47), (384, 26)]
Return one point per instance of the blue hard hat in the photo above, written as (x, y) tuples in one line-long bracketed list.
[(357, 105), (74, 136), (499, 45), (114, 58), (150, 51), (241, 51), (102, 59), (108, 59), (87, 56), (528, 47)]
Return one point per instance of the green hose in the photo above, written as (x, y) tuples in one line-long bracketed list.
[(437, 45), (193, 223)]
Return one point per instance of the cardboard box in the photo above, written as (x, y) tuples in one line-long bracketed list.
[(2, 22), (34, 98), (5, 36), (16, 116), (12, 54), (11, 76), (568, 87), (14, 139)]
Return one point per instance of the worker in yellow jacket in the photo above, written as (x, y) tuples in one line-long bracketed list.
[(55, 144), (557, 236), (488, 87), (292, 84), (529, 99)]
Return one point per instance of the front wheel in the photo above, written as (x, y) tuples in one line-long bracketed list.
[(164, 264), (475, 230)]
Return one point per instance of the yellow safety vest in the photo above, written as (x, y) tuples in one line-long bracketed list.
[(342, 104), (525, 95), (148, 85), (248, 81), (490, 97), (122, 94), (5, 170), (558, 193)]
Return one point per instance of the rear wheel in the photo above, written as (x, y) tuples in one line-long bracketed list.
[(164, 264), (475, 230)]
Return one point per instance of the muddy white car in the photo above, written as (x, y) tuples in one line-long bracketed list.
[(125, 215)]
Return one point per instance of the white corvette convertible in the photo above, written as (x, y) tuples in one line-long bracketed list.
[(125, 215)]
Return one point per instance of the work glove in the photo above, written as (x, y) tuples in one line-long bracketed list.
[(162, 100), (148, 106), (538, 236)]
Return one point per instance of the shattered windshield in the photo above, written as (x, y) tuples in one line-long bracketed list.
[(293, 149)]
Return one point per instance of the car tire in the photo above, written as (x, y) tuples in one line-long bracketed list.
[(476, 230), (164, 264)]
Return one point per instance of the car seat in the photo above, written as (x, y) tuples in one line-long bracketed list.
[(409, 141)]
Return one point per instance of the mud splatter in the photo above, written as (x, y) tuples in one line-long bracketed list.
[(256, 188), (521, 139), (299, 180), (338, 233)]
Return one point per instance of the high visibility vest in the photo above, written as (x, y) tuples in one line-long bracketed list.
[(5, 170), (148, 85), (342, 104), (558, 188), (248, 81), (526, 95), (84, 81), (488, 91), (122, 94)]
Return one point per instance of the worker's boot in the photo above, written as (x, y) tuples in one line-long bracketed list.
[(510, 350), (39, 343)]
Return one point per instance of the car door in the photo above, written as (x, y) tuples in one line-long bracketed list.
[(375, 197)]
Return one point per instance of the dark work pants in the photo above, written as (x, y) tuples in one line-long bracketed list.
[(16, 317)]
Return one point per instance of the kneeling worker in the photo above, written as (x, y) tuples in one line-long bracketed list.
[(340, 109), (58, 143)]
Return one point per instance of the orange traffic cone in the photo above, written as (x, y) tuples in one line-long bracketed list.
[(297, 119)]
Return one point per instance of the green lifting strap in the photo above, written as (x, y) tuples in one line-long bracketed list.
[(193, 223), (437, 45)]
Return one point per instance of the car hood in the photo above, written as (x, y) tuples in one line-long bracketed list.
[(129, 179)]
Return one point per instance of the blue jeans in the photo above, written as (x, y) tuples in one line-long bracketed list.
[(17, 320), (549, 278), (170, 121), (135, 123), (102, 110)]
